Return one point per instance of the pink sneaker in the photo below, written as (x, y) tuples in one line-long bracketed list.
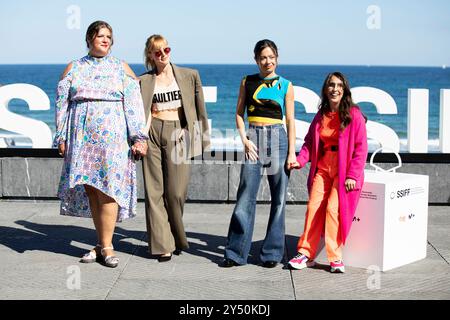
[(300, 261), (337, 266)]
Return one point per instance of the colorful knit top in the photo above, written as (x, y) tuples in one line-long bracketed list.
[(265, 98)]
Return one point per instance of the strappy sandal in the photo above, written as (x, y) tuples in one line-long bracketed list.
[(91, 256), (109, 261)]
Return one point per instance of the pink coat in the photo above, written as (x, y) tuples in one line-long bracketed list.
[(352, 160)]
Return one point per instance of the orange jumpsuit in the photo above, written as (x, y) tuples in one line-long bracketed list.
[(322, 215)]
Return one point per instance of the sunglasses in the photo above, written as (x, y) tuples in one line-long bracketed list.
[(159, 52)]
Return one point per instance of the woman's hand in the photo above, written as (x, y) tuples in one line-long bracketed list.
[(251, 151), (349, 184), (62, 149), (291, 162), (139, 149), (294, 165), (181, 134)]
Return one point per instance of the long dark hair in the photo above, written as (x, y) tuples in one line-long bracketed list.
[(346, 101)]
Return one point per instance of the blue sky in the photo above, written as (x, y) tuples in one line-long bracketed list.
[(409, 32)]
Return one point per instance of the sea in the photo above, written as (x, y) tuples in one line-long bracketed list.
[(226, 78)]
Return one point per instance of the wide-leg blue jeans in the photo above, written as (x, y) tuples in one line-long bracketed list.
[(272, 145)]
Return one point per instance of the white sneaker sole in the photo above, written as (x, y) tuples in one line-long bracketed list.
[(300, 266), (338, 270)]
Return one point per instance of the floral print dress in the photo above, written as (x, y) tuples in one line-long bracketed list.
[(99, 113)]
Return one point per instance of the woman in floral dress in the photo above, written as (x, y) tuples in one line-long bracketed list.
[(99, 131)]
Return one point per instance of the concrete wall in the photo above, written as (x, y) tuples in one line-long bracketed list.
[(218, 181), (30, 177)]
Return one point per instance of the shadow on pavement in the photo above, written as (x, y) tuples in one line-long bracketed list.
[(59, 239)]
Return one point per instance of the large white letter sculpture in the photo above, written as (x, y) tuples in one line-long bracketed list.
[(444, 128), (38, 131), (385, 104), (41, 135)]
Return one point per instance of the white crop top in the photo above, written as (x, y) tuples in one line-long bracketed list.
[(167, 98)]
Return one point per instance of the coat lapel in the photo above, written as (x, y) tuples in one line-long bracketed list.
[(147, 89), (179, 77)]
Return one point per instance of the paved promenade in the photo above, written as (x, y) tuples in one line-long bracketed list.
[(39, 253)]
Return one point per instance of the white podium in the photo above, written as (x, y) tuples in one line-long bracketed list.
[(389, 229)]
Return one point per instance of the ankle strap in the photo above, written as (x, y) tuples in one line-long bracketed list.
[(105, 248)]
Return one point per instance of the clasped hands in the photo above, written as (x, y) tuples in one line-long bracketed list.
[(139, 149)]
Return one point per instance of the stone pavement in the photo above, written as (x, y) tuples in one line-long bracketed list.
[(39, 253)]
